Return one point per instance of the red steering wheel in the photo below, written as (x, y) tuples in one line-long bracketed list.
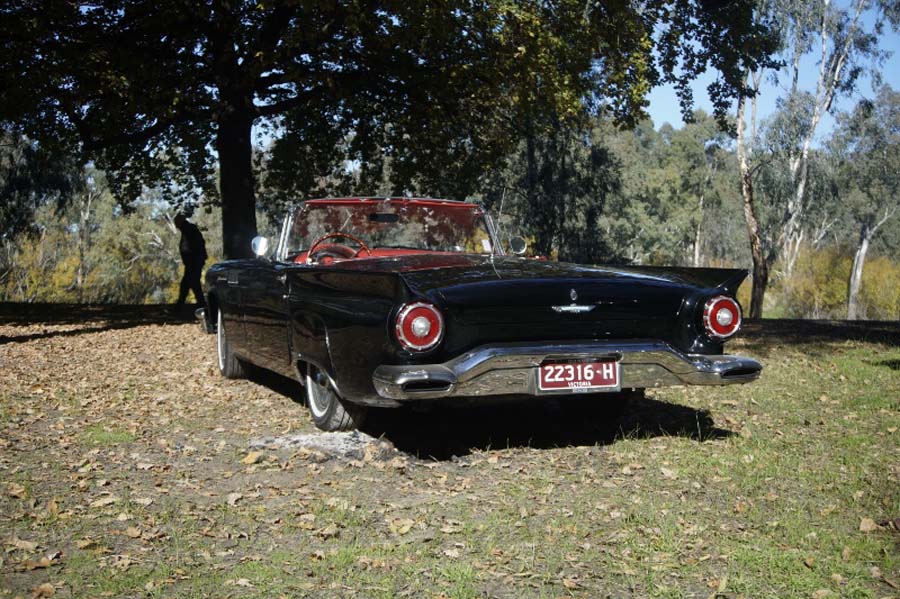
[(340, 249)]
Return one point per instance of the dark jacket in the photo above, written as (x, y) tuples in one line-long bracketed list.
[(192, 246)]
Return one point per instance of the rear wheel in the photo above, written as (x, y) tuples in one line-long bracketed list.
[(230, 365), (328, 411)]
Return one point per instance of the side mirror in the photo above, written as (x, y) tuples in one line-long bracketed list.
[(260, 246), (518, 245)]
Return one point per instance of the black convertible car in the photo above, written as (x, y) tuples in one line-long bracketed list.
[(385, 302)]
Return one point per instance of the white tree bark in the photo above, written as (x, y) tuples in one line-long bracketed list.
[(830, 71), (866, 234), (859, 259)]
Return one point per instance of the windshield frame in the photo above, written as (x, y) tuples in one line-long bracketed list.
[(295, 210)]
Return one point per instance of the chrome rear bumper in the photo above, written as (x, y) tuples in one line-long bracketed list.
[(510, 369)]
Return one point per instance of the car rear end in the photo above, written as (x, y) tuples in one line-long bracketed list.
[(512, 326)]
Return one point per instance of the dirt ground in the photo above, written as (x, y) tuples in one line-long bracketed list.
[(130, 468)]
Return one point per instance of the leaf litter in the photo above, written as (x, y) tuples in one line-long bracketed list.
[(152, 458)]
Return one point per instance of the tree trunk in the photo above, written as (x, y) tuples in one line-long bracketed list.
[(697, 232), (856, 272), (543, 243), (760, 265), (84, 237), (236, 184)]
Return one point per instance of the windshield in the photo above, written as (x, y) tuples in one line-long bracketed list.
[(394, 224)]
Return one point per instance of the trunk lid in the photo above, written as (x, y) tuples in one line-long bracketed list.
[(514, 299)]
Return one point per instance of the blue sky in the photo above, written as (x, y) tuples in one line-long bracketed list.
[(664, 103)]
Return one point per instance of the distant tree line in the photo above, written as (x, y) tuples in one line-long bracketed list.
[(642, 195), (115, 114)]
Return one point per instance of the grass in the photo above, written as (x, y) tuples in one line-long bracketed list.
[(99, 435), (752, 491)]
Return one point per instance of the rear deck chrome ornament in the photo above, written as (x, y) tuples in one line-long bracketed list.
[(573, 308)]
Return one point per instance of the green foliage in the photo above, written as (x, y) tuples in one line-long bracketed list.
[(132, 259), (818, 287), (31, 176), (165, 91), (676, 190), (553, 189), (880, 295), (867, 144)]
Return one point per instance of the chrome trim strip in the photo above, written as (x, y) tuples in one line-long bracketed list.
[(573, 308), (494, 234), (509, 369)]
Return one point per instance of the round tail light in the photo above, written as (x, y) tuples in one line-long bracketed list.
[(722, 317), (419, 327)]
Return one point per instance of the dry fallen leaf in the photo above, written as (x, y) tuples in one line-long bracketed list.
[(252, 458), (452, 526), (669, 473), (868, 525), (16, 490), (40, 564), (400, 526), (43, 590), (233, 498), (21, 544), (121, 562), (104, 501), (133, 531)]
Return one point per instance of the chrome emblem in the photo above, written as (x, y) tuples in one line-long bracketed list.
[(573, 308)]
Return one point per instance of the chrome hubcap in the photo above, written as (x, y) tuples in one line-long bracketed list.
[(220, 341), (318, 392)]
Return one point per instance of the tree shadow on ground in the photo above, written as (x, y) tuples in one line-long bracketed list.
[(892, 364), (88, 318), (446, 431), (764, 336)]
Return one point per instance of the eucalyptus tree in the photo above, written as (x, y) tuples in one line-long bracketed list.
[(843, 41), (172, 90), (868, 141), (31, 176), (554, 188), (694, 163)]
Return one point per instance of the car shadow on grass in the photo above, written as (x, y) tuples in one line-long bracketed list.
[(448, 431), (445, 432)]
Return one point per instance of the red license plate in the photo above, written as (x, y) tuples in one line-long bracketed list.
[(578, 376)]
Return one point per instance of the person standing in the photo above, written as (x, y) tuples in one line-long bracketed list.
[(193, 255)]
